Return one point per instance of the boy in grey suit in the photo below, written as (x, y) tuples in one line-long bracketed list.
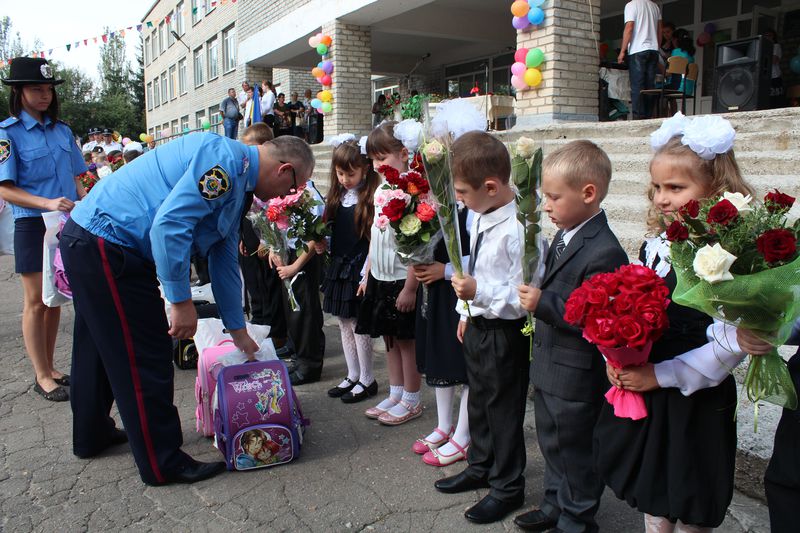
[(568, 372)]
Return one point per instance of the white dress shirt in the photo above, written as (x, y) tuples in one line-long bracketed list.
[(569, 234), (645, 16), (385, 264), (497, 265), (267, 103)]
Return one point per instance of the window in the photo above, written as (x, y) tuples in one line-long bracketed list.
[(197, 11), (165, 130), (198, 118), (184, 122), (182, 76), (162, 44), (156, 93), (179, 28), (209, 5), (157, 134), (170, 28), (164, 89), (216, 120), (147, 50), (174, 127), (229, 49), (213, 58), (149, 96), (154, 45), (198, 67), (172, 79)]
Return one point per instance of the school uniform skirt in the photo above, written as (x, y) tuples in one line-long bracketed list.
[(28, 244)]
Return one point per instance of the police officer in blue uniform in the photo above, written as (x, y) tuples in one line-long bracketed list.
[(134, 231), (39, 165)]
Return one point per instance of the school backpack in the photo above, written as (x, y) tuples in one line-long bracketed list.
[(206, 384), (257, 417)]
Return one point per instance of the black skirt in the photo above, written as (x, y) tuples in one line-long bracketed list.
[(378, 316), (678, 462), (439, 354), (28, 244), (340, 286)]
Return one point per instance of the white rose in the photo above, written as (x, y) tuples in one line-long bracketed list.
[(433, 151), (525, 147), (713, 263), (739, 201)]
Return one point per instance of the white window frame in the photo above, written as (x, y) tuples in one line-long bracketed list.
[(156, 92), (212, 58), (182, 75), (172, 81), (184, 122), (180, 27), (196, 11), (149, 95), (164, 87), (170, 27), (228, 49), (197, 63), (146, 50), (161, 42)]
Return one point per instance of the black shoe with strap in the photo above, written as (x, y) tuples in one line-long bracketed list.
[(366, 392), (337, 391)]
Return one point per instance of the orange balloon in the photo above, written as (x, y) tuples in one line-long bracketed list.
[(317, 72), (520, 8), (326, 40)]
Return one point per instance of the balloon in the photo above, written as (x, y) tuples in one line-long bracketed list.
[(206, 124), (322, 49), (319, 80), (794, 64), (125, 141), (326, 40), (710, 28), (518, 83), (327, 67), (326, 80), (535, 3), (520, 23), (520, 55), (327, 107), (143, 137), (534, 58), (317, 72), (518, 69), (533, 77), (703, 39), (520, 8), (316, 103), (313, 41), (325, 96), (536, 15), (149, 139)]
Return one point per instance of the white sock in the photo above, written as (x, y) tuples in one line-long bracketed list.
[(364, 348), (444, 409), (347, 327), (395, 395), (411, 398), (461, 435)]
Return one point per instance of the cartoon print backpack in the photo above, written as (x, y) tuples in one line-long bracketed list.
[(206, 384), (257, 417)]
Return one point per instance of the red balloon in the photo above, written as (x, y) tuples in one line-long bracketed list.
[(520, 55), (326, 80)]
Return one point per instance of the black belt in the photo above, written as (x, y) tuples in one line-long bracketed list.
[(496, 323)]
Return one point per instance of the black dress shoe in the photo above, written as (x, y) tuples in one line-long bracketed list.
[(63, 380), (535, 520), (301, 378), (365, 393), (118, 436), (460, 483), (337, 391), (490, 509), (192, 472), (59, 394)]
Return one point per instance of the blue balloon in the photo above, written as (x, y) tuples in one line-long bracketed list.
[(794, 64), (535, 3), (536, 15), (316, 103)]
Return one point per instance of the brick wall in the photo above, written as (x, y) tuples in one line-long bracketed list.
[(352, 89), (295, 80), (569, 74), (255, 15)]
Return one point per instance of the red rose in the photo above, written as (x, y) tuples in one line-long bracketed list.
[(610, 280), (273, 214), (391, 174), (690, 209), (777, 201), (777, 245), (599, 330), (722, 213), (416, 183), (624, 302), (677, 232), (651, 310), (416, 164), (639, 278), (598, 297), (630, 332), (576, 306), (425, 212), (394, 209)]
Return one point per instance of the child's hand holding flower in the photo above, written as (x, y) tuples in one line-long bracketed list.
[(465, 287)]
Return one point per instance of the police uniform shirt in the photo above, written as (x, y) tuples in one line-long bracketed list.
[(87, 147), (110, 147), (39, 159), (184, 198)]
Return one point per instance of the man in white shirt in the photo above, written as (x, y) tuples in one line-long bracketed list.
[(242, 98), (641, 41), (109, 144), (268, 103)]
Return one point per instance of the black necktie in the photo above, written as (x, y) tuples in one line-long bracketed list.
[(560, 245), (473, 256)]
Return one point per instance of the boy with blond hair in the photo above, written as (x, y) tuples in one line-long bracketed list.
[(567, 372), (495, 350)]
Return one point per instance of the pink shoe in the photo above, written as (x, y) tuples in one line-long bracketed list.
[(423, 445), (436, 458), (375, 412), (412, 412)]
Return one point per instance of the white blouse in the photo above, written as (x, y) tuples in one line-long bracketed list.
[(384, 262)]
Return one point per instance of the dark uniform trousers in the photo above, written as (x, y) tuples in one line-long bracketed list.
[(496, 354), (305, 325), (121, 352), (263, 286)]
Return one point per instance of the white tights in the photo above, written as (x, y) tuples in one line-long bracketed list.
[(444, 408), (658, 524), (357, 354)]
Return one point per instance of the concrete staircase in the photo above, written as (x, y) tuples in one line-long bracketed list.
[(768, 152)]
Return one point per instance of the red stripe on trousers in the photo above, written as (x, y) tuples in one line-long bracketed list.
[(137, 384)]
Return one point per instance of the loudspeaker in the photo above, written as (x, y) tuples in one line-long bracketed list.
[(742, 75)]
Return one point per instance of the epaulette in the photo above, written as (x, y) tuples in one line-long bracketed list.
[(9, 121)]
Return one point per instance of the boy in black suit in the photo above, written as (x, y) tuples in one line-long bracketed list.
[(495, 351), (568, 372)]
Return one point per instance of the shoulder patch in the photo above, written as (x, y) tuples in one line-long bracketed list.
[(8, 122), (214, 183), (5, 150)]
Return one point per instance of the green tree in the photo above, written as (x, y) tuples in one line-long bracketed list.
[(78, 98), (120, 105)]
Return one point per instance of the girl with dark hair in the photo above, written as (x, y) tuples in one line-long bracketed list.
[(39, 168)]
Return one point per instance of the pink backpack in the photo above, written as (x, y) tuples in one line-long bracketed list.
[(206, 384)]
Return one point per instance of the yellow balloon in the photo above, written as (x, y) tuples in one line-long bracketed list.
[(520, 8), (533, 77), (325, 96)]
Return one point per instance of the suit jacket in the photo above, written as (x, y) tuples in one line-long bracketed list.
[(564, 363)]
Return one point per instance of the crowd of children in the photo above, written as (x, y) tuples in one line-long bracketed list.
[(675, 466)]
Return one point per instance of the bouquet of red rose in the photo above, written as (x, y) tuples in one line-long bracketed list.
[(622, 313), (407, 207), (739, 263), (88, 179)]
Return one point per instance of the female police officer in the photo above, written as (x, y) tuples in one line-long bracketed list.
[(39, 165)]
